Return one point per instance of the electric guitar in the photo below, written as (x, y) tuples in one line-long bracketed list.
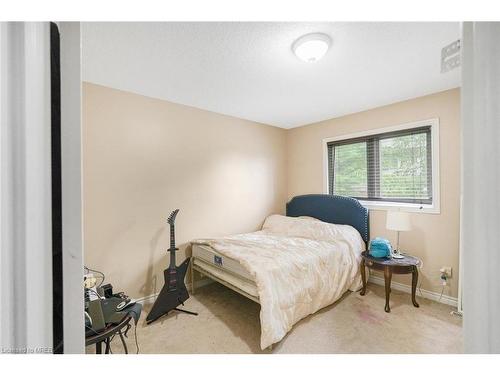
[(174, 292)]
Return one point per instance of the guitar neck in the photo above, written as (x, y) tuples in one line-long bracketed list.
[(172, 246), (172, 236)]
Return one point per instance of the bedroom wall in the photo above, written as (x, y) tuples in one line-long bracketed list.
[(144, 157), (435, 237)]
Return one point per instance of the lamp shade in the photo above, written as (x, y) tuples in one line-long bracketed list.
[(397, 220)]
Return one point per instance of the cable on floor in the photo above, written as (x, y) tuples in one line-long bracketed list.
[(136, 342), (442, 290)]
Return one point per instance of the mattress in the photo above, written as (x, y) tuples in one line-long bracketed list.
[(224, 267)]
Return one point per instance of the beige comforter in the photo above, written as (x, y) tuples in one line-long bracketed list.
[(300, 265)]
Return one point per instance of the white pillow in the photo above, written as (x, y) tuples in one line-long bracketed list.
[(308, 218), (311, 229)]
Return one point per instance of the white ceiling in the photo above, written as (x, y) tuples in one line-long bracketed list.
[(248, 70)]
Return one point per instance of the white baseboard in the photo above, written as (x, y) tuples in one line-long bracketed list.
[(433, 296), (151, 298), (452, 301)]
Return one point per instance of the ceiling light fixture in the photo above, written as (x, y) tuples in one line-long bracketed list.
[(311, 47)]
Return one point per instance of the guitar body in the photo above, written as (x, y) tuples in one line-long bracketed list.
[(173, 293)]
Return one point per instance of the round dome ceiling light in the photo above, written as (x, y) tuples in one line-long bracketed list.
[(311, 47)]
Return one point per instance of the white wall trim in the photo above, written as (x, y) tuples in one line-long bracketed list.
[(433, 296), (25, 188), (435, 208), (466, 61), (71, 174), (152, 297), (480, 236)]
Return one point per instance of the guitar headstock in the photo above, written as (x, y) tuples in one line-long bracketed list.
[(171, 218)]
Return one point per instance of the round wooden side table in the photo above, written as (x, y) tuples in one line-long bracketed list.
[(406, 265)]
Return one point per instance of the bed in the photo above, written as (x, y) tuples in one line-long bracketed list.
[(296, 264)]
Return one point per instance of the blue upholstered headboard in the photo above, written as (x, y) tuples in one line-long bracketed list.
[(333, 209)]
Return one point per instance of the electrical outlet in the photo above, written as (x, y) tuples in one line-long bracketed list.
[(446, 270), (89, 281)]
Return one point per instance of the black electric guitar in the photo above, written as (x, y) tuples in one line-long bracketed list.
[(174, 292)]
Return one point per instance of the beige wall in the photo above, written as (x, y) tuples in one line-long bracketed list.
[(145, 157), (435, 237)]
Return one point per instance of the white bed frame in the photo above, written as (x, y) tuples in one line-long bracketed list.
[(197, 264)]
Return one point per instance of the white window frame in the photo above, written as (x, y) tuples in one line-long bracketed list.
[(433, 208)]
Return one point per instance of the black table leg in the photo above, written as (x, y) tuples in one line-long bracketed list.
[(387, 279), (98, 347), (363, 276), (123, 342), (414, 281), (108, 344)]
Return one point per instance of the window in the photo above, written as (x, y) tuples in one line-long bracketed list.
[(392, 167)]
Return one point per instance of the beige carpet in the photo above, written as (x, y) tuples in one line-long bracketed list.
[(229, 323)]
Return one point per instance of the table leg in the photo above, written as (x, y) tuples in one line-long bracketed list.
[(363, 276), (123, 342), (414, 281), (98, 347), (108, 344), (192, 276), (387, 279)]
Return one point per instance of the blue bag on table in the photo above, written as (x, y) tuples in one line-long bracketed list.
[(380, 248)]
